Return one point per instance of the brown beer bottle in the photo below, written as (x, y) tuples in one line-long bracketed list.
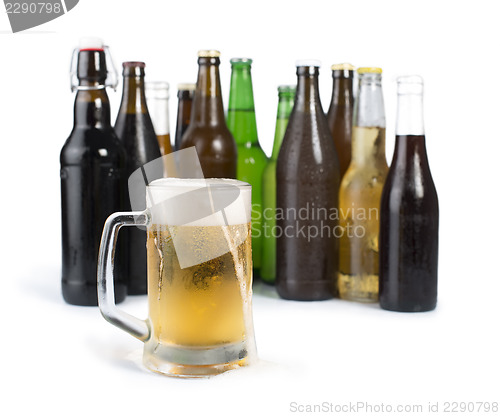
[(92, 177), (185, 96), (340, 112), (135, 130), (208, 131), (307, 180), (409, 212)]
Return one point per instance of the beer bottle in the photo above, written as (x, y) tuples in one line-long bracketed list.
[(92, 175), (185, 95), (340, 113), (135, 130), (286, 95), (409, 212), (307, 181), (360, 191), (251, 158), (157, 102), (208, 131)]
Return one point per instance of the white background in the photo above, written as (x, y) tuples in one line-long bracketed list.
[(63, 360)]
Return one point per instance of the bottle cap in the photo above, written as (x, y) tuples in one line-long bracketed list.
[(343, 67), (186, 86), (246, 61), (133, 64), (308, 62), (212, 53), (98, 55), (369, 70), (91, 43), (133, 69)]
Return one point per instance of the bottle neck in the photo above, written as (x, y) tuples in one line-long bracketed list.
[(342, 92), (410, 152), (241, 90), (241, 110), (369, 106), (208, 109), (307, 99), (134, 96), (410, 114), (184, 106), (92, 106), (285, 106), (158, 110)]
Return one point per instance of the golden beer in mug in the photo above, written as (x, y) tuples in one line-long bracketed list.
[(199, 277)]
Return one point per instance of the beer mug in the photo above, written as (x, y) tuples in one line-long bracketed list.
[(199, 276)]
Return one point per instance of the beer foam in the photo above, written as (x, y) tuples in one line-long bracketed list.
[(199, 202)]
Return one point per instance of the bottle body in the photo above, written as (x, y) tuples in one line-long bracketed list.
[(251, 160), (360, 193), (340, 113), (208, 131), (307, 180), (409, 227), (91, 190), (185, 95), (92, 174), (286, 95), (157, 94), (135, 130)]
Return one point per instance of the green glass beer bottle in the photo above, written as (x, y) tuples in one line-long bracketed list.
[(251, 158), (286, 96)]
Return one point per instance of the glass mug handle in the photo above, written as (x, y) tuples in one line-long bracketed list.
[(105, 266)]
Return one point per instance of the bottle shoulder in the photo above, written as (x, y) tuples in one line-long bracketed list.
[(411, 182), (359, 177), (252, 151), (303, 141), (200, 134), (102, 144)]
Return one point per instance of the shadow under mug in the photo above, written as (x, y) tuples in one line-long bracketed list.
[(199, 276)]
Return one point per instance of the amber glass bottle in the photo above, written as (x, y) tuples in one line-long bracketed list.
[(208, 131), (307, 182), (360, 192), (185, 96), (135, 130), (340, 112), (409, 212), (92, 177)]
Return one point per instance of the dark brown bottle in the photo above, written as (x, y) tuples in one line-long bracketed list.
[(185, 95), (92, 176), (340, 113), (208, 131), (307, 197), (409, 213), (135, 130)]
